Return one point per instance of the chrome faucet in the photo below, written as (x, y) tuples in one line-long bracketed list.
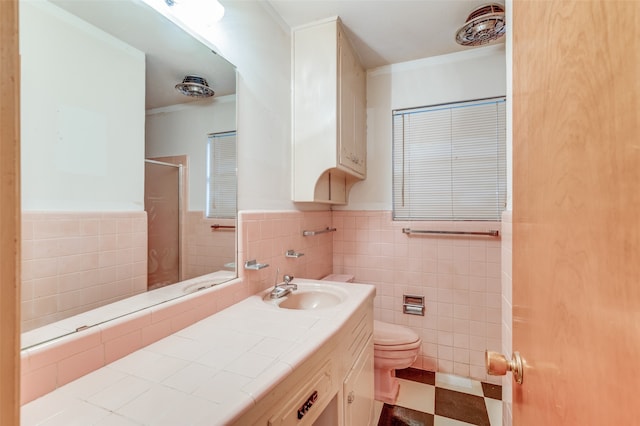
[(284, 288)]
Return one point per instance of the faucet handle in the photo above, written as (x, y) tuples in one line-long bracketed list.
[(277, 273), (287, 278)]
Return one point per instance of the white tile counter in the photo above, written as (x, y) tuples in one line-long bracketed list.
[(207, 374)]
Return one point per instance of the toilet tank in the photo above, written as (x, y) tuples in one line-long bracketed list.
[(341, 278)]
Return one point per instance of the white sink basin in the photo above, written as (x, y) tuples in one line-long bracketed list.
[(310, 296)]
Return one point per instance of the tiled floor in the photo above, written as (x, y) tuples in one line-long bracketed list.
[(437, 399)]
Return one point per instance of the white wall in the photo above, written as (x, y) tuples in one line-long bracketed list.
[(255, 40), (250, 35), (472, 74), (182, 130), (82, 115)]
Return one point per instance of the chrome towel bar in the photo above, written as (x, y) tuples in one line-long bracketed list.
[(216, 227), (327, 229), (491, 233)]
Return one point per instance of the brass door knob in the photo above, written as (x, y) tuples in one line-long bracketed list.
[(498, 365)]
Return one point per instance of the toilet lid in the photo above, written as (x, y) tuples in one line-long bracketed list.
[(392, 334)]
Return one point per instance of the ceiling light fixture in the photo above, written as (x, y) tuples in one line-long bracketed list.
[(484, 25), (195, 87), (197, 13)]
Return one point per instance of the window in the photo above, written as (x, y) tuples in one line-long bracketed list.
[(221, 175), (449, 161)]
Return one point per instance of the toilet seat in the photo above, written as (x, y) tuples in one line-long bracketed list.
[(397, 348), (393, 336)]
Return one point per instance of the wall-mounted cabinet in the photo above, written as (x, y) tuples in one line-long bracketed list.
[(329, 114)]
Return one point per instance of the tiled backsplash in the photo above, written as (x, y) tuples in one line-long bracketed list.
[(50, 365), (72, 262), (458, 276), (266, 236)]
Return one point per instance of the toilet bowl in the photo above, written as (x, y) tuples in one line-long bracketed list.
[(394, 347)]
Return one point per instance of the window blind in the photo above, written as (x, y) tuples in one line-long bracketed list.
[(221, 175), (449, 161)]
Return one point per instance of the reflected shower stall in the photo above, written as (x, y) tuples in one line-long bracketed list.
[(163, 204)]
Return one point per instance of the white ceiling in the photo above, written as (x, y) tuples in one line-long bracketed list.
[(382, 32), (388, 31)]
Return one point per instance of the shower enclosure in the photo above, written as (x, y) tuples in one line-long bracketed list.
[(162, 202)]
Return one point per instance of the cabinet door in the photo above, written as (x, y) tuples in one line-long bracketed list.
[(358, 390), (352, 109)]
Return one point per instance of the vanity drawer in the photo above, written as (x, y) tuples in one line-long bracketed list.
[(304, 407)]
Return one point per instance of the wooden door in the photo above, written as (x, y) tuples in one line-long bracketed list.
[(9, 214), (576, 211)]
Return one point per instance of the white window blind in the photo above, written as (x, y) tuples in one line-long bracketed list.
[(221, 175), (449, 161)]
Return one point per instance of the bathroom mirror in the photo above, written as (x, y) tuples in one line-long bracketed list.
[(97, 101)]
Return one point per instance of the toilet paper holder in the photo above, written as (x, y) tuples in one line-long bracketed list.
[(412, 304)]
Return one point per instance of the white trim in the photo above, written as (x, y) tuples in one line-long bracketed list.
[(437, 60), (190, 105)]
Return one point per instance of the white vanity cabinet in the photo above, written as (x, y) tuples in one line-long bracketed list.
[(329, 114), (333, 387), (358, 391), (358, 386)]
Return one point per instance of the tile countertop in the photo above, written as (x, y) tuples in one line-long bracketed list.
[(209, 373)]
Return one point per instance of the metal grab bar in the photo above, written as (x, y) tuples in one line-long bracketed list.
[(215, 227), (491, 233), (327, 229)]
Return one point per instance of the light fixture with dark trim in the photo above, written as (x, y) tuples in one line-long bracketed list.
[(484, 25), (194, 86)]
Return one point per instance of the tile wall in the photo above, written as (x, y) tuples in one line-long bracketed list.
[(207, 250), (263, 236), (266, 236), (73, 262), (52, 364), (459, 277)]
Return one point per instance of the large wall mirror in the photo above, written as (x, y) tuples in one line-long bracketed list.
[(123, 177)]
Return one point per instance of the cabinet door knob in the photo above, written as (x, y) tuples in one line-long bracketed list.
[(351, 397)]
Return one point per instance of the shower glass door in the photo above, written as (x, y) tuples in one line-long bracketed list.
[(162, 204)]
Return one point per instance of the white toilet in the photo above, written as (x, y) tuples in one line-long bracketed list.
[(394, 347)]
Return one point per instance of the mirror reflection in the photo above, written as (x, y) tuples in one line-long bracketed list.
[(121, 191)]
